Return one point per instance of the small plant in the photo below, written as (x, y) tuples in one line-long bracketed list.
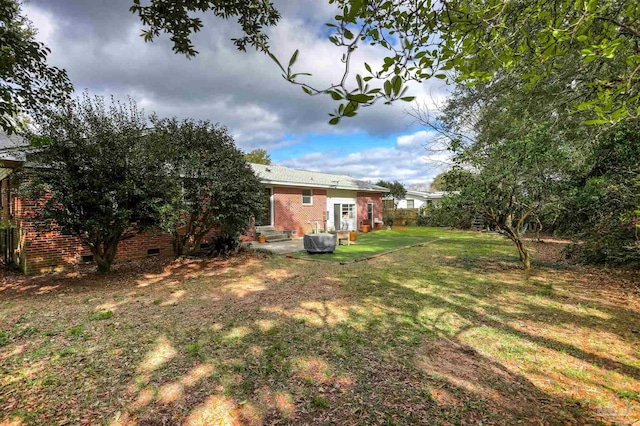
[(104, 315), (628, 394), (193, 349), (319, 402), (28, 331), (76, 331), (4, 339), (545, 290), (237, 366), (262, 251), (66, 351), (157, 301)]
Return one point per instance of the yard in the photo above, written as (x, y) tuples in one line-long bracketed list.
[(375, 243), (449, 333)]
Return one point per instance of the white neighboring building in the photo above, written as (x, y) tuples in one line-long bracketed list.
[(417, 199)]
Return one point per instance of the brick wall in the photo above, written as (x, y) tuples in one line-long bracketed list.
[(368, 197), (290, 214), (44, 250), (41, 250)]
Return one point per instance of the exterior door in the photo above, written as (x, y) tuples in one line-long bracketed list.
[(336, 217), (266, 211), (348, 217), (370, 214)]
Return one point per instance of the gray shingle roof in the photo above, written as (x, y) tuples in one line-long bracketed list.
[(294, 177), (12, 147)]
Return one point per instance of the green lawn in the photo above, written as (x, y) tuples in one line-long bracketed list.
[(377, 242), (451, 333)]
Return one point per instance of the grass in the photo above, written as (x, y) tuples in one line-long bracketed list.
[(377, 242), (450, 333), (99, 316)]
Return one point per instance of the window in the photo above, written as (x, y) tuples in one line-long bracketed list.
[(307, 197), (410, 204), (348, 211)]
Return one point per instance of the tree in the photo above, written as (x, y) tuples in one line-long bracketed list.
[(258, 156), (216, 190), (397, 191), (438, 182), (599, 201), (515, 180), (97, 170), (467, 41), (27, 83), (514, 150), (176, 19)]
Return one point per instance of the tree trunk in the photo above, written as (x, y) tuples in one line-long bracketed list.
[(523, 252), (104, 252), (525, 257), (538, 229)]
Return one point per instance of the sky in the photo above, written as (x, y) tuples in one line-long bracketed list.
[(98, 42)]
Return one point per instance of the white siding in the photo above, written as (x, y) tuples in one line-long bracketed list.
[(339, 196)]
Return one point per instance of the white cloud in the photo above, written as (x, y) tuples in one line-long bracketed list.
[(409, 166), (99, 44)]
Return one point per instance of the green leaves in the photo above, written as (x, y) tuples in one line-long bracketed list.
[(474, 40), (293, 58), (29, 84)]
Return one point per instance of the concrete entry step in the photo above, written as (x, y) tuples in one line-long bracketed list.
[(277, 237), (271, 234)]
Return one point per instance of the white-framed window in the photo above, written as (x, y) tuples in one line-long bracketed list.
[(307, 197), (348, 211), (410, 204)]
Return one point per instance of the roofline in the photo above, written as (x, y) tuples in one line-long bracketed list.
[(10, 163), (18, 163), (307, 185)]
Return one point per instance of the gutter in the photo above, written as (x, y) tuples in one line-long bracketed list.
[(312, 185)]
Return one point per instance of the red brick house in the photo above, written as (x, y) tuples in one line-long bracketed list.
[(294, 201), (298, 201)]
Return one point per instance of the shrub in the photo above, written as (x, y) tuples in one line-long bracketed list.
[(213, 187), (97, 172), (451, 211)]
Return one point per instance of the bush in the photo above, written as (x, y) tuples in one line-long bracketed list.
[(214, 189), (451, 211), (612, 243)]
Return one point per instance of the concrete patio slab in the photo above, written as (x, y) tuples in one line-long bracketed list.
[(282, 247)]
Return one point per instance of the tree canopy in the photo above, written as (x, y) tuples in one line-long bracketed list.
[(258, 156), (397, 190), (466, 41), (27, 82), (438, 183), (97, 170), (215, 190)]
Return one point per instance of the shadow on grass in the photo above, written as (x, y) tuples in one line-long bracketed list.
[(266, 341)]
